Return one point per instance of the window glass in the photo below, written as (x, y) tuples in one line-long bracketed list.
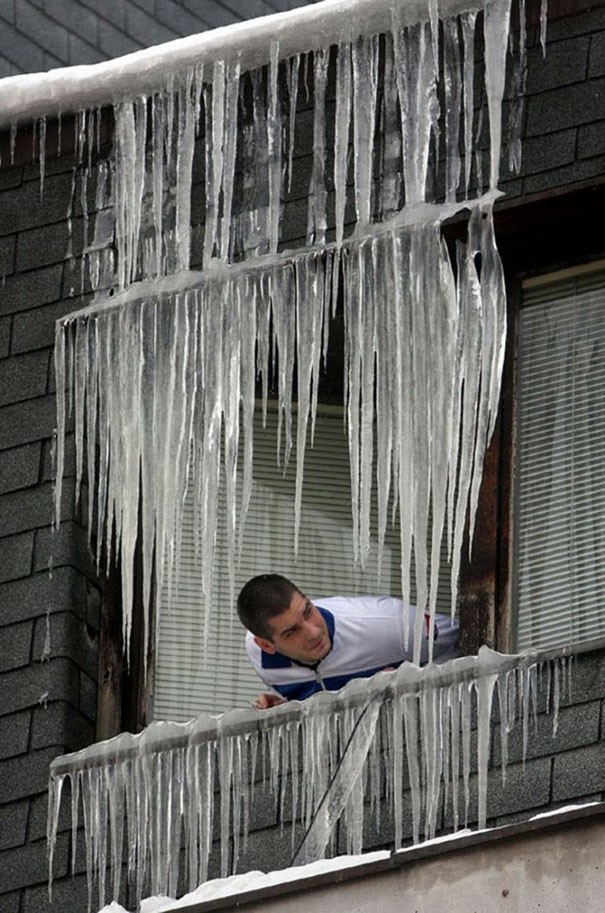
[(559, 508)]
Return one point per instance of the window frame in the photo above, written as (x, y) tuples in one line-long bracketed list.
[(545, 234)]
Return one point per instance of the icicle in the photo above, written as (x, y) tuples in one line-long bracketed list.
[(412, 742), (556, 698), (353, 334), (156, 381), (231, 427), (454, 705), (231, 128), (386, 381), (468, 25), (186, 135), (367, 343), (421, 345), (60, 381), (284, 323), (80, 386), (394, 771), (390, 170), (274, 148), (364, 55), (432, 759), (453, 106), (292, 72), (248, 315), (158, 788), (157, 179), (493, 338), (131, 133), (403, 455), (517, 93), (42, 152), (470, 306), (309, 320), (317, 219), (485, 690), (259, 169), (416, 83), (13, 140), (54, 805), (341, 137), (495, 29), (443, 329), (543, 22), (215, 126), (373, 267)]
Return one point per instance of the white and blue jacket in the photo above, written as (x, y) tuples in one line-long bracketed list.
[(366, 633)]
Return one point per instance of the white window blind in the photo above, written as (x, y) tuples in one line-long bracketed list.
[(189, 681), (559, 554)]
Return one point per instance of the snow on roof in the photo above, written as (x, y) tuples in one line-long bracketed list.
[(69, 89)]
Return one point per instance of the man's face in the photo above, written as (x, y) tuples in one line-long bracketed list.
[(298, 632)]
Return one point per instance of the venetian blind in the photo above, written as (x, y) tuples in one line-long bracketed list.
[(190, 679), (559, 556)]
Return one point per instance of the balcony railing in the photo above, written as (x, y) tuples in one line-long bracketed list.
[(168, 791)]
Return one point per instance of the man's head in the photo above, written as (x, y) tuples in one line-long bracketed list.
[(282, 619)]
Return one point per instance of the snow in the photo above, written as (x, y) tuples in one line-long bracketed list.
[(236, 885)]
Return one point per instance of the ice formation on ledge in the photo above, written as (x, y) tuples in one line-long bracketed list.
[(425, 734), (162, 377)]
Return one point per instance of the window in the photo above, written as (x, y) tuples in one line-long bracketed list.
[(559, 487), (188, 679)]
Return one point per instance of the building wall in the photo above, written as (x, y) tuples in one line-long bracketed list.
[(539, 866), (48, 698), (48, 588)]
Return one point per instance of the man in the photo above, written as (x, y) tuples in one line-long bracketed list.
[(299, 647)]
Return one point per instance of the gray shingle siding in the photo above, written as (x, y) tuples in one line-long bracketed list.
[(47, 705)]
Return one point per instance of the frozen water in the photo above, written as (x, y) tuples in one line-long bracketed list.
[(159, 374), (176, 786)]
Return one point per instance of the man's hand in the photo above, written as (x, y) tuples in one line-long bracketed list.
[(267, 700)]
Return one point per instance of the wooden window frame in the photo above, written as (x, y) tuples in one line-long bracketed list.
[(537, 235)]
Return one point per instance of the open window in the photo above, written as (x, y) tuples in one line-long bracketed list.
[(192, 675)]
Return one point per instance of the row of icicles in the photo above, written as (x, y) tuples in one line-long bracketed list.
[(411, 745)]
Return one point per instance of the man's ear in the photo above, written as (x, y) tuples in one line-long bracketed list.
[(266, 645)]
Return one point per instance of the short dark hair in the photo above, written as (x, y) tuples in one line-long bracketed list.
[(262, 598)]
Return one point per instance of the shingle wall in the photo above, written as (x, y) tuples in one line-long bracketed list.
[(49, 597), (564, 118)]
